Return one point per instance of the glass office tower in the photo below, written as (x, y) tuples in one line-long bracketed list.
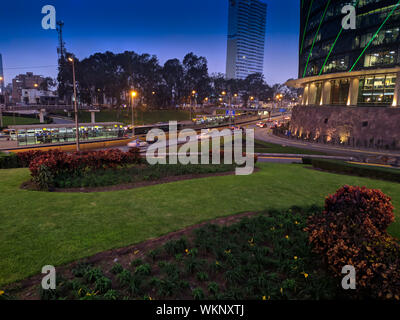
[(353, 67), (246, 38)]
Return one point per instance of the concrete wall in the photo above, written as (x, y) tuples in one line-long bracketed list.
[(366, 127)]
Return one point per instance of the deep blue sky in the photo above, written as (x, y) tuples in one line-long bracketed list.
[(166, 28)]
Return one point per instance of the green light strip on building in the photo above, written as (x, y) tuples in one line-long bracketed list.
[(334, 43), (315, 37), (376, 33), (305, 28)]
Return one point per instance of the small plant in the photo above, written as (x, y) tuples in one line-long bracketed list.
[(80, 269), (198, 294), (154, 254), (92, 274), (174, 247), (136, 262), (102, 285), (116, 269), (111, 295), (202, 276), (125, 278), (213, 288), (143, 270)]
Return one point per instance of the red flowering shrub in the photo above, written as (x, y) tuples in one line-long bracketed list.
[(357, 204), (352, 231), (55, 162), (25, 158)]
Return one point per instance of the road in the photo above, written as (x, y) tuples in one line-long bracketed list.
[(265, 135)]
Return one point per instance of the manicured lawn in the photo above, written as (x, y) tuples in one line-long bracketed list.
[(12, 121), (39, 228), (140, 118), (266, 147)]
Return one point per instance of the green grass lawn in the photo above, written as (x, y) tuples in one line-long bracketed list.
[(39, 228), (12, 121), (266, 147), (140, 118)]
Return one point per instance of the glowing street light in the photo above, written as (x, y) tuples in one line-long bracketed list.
[(133, 95), (70, 59)]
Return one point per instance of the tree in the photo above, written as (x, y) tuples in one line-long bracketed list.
[(196, 76), (173, 75), (47, 83)]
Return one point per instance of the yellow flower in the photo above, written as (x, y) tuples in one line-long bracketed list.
[(187, 251), (228, 251), (295, 257), (264, 298), (150, 298), (217, 263), (305, 275), (273, 228), (287, 237), (136, 252), (296, 222), (281, 291), (251, 242), (1, 292)]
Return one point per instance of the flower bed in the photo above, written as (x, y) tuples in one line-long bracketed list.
[(261, 258)]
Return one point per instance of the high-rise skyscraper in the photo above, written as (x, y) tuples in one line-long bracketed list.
[(246, 38), (1, 76)]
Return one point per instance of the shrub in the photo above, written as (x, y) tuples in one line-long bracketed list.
[(351, 231), (358, 170), (58, 163), (8, 161), (307, 160), (358, 204)]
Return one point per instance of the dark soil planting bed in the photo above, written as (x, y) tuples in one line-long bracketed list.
[(254, 256)]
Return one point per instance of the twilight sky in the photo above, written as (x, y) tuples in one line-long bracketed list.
[(166, 28)]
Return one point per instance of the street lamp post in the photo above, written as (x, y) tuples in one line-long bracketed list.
[(70, 59), (1, 112), (194, 92), (133, 95)]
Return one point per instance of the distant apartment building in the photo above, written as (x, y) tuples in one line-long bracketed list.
[(24, 81), (35, 96), (246, 38)]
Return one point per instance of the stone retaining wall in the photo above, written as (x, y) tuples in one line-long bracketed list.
[(367, 127)]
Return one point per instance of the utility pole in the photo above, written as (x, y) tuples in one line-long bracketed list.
[(133, 94), (70, 59)]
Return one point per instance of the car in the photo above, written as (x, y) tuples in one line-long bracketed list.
[(137, 144), (203, 135), (260, 124)]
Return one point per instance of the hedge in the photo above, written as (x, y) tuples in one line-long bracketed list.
[(355, 169), (8, 161)]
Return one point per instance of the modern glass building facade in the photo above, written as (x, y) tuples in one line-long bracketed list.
[(353, 67), (246, 38)]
